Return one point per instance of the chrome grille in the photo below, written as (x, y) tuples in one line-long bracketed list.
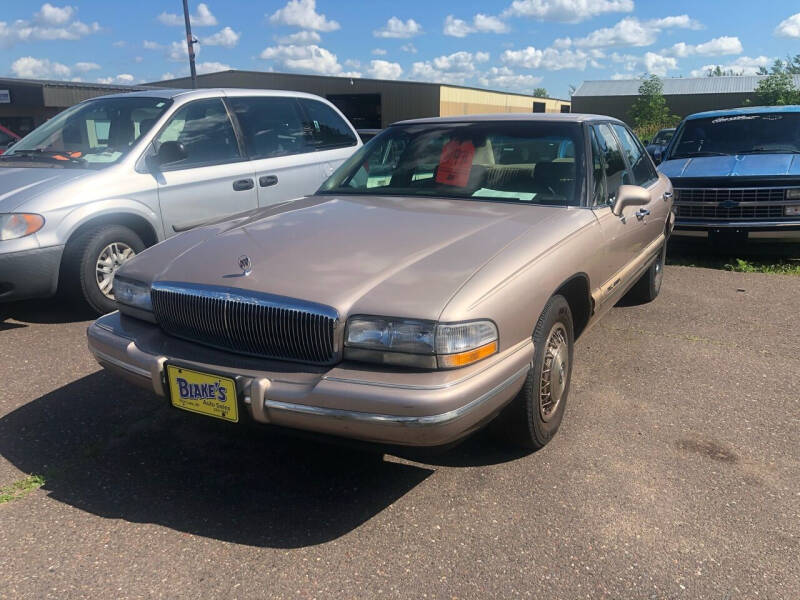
[(731, 204), (247, 322)]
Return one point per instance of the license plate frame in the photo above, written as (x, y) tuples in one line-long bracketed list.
[(192, 396)]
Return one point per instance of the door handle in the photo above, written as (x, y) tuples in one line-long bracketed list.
[(642, 213), (240, 185), (267, 180)]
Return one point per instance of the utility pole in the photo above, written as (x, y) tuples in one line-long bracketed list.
[(190, 42)]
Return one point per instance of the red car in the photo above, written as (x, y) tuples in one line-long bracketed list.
[(7, 137)]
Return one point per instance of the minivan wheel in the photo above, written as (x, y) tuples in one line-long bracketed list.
[(534, 415), (92, 259), (649, 285)]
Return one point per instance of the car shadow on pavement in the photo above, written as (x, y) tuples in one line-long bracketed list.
[(118, 452), (46, 311)]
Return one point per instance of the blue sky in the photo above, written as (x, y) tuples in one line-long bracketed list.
[(513, 45)]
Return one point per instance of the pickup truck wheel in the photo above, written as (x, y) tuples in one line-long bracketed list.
[(92, 259), (649, 285), (534, 415)]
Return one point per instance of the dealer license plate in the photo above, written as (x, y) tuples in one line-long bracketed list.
[(203, 393)]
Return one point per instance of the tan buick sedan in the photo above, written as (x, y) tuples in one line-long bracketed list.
[(436, 282)]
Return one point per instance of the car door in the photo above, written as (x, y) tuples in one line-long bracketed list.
[(333, 138), (214, 179), (623, 236)]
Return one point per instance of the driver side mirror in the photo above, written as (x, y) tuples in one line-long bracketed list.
[(657, 156), (645, 142), (630, 195), (170, 152)]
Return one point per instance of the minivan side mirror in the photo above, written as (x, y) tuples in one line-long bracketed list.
[(630, 195), (170, 152)]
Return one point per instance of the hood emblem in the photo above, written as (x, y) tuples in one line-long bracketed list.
[(245, 264)]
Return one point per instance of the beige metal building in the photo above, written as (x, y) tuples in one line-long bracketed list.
[(376, 103)]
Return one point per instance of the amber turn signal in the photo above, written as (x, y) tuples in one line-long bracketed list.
[(462, 359)]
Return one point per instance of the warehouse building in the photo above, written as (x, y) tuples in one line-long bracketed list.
[(27, 103), (376, 103), (684, 95)]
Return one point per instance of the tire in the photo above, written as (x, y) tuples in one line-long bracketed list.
[(649, 285), (533, 417), (79, 276)]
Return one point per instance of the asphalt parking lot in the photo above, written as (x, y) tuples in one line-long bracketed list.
[(676, 474)]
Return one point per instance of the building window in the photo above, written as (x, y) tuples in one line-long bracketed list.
[(565, 108), (539, 107)]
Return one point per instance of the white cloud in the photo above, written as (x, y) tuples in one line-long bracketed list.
[(504, 78), (211, 67), (310, 58), (480, 24), (378, 52), (618, 76), (382, 69), (745, 65), (396, 28), (150, 45), (658, 64), (201, 18), (630, 31), (119, 43), (123, 78), (566, 11), (409, 47), (452, 68), (789, 27), (303, 14), (716, 47), (83, 67), (48, 23), (54, 15), (225, 37), (301, 37), (29, 67), (178, 51), (551, 59), (169, 75)]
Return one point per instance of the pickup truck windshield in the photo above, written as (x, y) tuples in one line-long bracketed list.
[(532, 162), (92, 134), (757, 133)]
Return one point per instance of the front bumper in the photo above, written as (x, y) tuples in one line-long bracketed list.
[(349, 400), (777, 230), (29, 273)]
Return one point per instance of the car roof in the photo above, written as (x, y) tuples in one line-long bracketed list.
[(499, 117), (170, 93), (749, 110)]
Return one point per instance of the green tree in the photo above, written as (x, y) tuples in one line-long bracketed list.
[(650, 111), (540, 92), (720, 72), (778, 88)]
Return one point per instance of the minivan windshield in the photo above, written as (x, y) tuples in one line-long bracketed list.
[(533, 162), (92, 134), (756, 133)]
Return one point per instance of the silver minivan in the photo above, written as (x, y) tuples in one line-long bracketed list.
[(110, 176)]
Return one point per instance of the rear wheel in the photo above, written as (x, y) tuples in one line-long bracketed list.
[(649, 285), (91, 261), (534, 415)]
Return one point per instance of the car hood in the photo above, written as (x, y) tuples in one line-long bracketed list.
[(21, 184), (395, 256), (739, 165)]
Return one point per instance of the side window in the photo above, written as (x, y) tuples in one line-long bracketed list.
[(204, 129), (271, 126), (643, 172), (326, 128), (599, 197), (615, 168)]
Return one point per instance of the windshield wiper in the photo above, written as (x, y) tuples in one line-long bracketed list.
[(765, 150), (699, 153), (54, 155)]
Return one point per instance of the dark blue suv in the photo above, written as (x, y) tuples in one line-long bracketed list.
[(736, 173)]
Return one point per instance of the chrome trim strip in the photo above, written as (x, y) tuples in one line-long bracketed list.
[(396, 420), (103, 357), (771, 187), (742, 224), (747, 203), (439, 386)]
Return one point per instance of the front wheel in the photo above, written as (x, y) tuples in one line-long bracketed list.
[(534, 415), (92, 259), (649, 285)]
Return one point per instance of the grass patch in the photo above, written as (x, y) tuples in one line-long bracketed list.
[(20, 488), (780, 266)]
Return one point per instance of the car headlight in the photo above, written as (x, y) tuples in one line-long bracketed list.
[(19, 225), (132, 293), (416, 343)]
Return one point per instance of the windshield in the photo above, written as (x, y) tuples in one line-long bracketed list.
[(739, 134), (536, 162), (92, 134), (663, 136)]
